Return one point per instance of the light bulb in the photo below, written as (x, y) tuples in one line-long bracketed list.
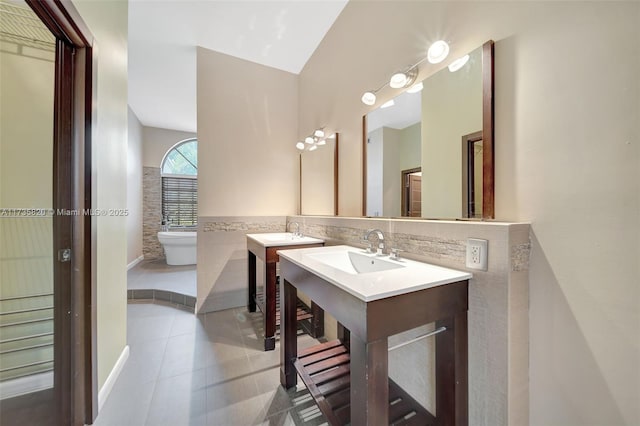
[(319, 133), (300, 146), (388, 104), (313, 148), (322, 142), (398, 80), (458, 63), (416, 88), (369, 98), (332, 136), (437, 52), (309, 139)]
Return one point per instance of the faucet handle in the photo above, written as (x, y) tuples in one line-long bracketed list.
[(370, 248), (395, 254)]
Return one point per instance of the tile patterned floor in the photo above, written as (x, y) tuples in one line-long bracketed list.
[(156, 274), (186, 369)]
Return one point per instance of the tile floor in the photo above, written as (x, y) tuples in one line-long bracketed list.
[(186, 369), (157, 275)]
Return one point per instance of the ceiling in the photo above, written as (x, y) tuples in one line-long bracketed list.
[(163, 36), (405, 112)]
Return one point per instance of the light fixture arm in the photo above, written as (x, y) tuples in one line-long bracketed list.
[(404, 79)]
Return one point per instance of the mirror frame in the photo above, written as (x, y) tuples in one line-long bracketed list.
[(335, 177), (488, 181)]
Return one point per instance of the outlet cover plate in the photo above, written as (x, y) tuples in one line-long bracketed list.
[(477, 254)]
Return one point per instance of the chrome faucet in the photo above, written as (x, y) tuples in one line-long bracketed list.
[(165, 224), (297, 233), (380, 235)]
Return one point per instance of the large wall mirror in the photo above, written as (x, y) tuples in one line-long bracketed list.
[(319, 179), (430, 153)]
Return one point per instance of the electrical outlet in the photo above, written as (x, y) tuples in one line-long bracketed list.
[(477, 254)]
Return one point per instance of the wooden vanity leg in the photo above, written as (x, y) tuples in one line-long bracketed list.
[(451, 372), (270, 306), (369, 382), (317, 323), (344, 335), (288, 334), (251, 264)]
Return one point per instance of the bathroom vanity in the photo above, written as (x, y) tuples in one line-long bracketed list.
[(373, 297), (265, 247)]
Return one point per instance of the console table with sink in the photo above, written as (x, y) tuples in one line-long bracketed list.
[(265, 247), (374, 297)]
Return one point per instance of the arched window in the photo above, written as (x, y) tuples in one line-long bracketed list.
[(179, 171)]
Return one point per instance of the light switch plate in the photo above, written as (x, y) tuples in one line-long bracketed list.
[(477, 254)]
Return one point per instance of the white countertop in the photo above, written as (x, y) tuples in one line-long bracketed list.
[(370, 286), (278, 239)]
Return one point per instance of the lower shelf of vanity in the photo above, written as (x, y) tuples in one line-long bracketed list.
[(324, 369), (303, 312)]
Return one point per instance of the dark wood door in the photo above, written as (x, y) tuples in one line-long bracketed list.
[(415, 196), (411, 193), (68, 313)]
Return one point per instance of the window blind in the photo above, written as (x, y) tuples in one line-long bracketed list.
[(180, 201)]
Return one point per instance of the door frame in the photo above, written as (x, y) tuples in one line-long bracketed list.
[(75, 354), (404, 199), (468, 174)]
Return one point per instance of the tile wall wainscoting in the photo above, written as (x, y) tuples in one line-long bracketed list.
[(222, 258), (498, 307), (151, 213)]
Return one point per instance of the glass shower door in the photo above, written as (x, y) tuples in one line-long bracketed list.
[(27, 75)]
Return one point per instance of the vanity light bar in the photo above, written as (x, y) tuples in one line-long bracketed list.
[(436, 53), (415, 339), (315, 139)]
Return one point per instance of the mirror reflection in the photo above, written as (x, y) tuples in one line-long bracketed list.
[(319, 179), (424, 150)]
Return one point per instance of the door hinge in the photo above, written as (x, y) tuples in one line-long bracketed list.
[(64, 255)]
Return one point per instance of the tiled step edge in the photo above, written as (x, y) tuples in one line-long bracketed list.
[(164, 297)]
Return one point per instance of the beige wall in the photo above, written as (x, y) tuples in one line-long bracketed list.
[(248, 166), (108, 23), (567, 159), (375, 152), (134, 188), (390, 172), (247, 130), (410, 147), (156, 143)]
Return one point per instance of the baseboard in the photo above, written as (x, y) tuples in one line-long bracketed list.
[(135, 262), (105, 390), (27, 384)]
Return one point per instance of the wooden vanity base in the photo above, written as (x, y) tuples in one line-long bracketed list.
[(351, 384), (267, 301), (325, 370)]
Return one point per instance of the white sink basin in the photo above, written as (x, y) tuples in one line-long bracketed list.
[(368, 276), (356, 263), (274, 239), (279, 236)]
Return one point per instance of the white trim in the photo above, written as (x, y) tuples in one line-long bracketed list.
[(113, 376), (135, 262), (27, 384), (172, 175)]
